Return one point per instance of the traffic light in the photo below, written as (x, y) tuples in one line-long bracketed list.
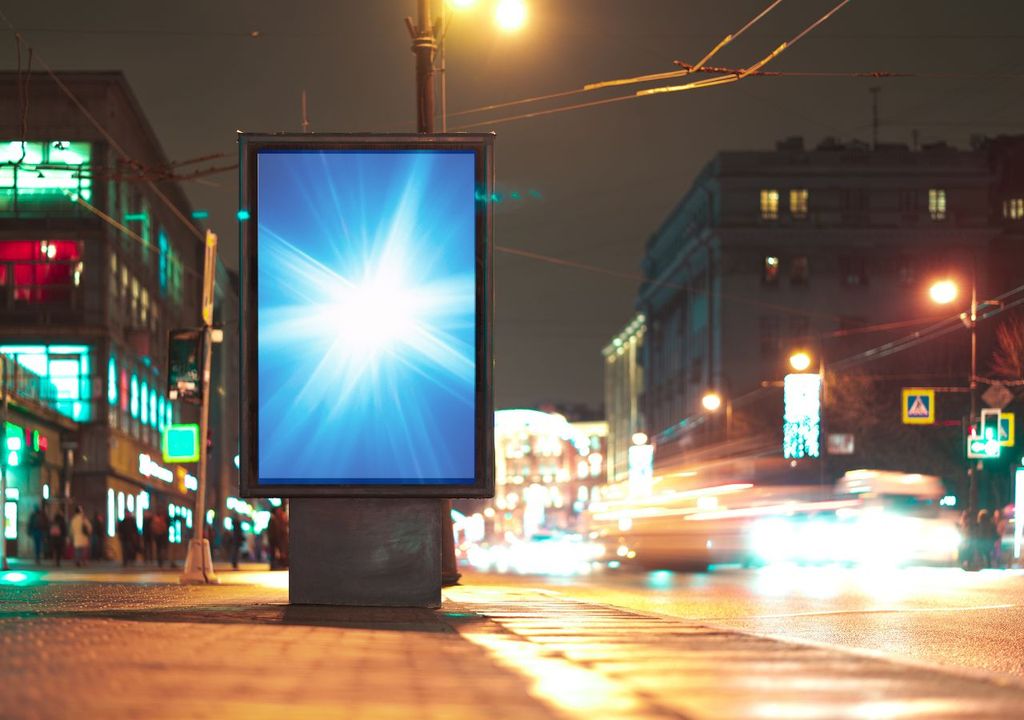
[(982, 448), (14, 445), (983, 442)]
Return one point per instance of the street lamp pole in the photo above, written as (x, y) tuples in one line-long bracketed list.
[(424, 43), (972, 471)]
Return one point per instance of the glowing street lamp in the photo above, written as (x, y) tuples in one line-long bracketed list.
[(943, 292), (800, 361), (510, 15), (712, 401)]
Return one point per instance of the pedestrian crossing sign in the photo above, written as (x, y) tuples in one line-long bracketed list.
[(918, 406)]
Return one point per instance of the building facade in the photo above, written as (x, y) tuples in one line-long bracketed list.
[(100, 257), (623, 392), (829, 250)]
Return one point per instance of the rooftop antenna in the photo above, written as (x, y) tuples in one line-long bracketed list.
[(305, 116), (874, 116)]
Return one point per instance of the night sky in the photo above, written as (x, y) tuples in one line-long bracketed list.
[(602, 178)]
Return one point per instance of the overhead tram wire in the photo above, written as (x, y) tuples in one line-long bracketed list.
[(680, 73), (708, 82), (937, 330), (610, 83), (756, 66), (637, 277)]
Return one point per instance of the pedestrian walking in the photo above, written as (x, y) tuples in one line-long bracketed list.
[(58, 536), (128, 534), (237, 539), (38, 529), (159, 531), (986, 538), (96, 543), (81, 531), (273, 533), (1000, 518), (148, 539)]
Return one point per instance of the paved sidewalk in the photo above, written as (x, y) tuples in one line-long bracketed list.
[(114, 650)]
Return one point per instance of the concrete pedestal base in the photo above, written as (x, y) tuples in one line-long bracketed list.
[(369, 552), (198, 564)]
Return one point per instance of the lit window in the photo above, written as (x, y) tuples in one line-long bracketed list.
[(134, 402), (769, 204), (1013, 209), (937, 204), (40, 272), (770, 273), (798, 203), (144, 405), (799, 271), (44, 178), (57, 375), (112, 381)]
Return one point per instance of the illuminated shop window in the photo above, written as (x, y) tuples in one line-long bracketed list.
[(937, 204), (798, 203), (769, 204), (63, 376), (44, 178)]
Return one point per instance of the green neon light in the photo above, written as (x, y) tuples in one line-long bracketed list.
[(135, 217), (180, 443), (200, 214)]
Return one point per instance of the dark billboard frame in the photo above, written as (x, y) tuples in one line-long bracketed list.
[(250, 145)]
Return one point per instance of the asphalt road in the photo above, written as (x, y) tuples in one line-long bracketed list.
[(936, 616)]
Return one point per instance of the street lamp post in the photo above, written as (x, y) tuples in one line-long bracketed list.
[(944, 292), (712, 402)]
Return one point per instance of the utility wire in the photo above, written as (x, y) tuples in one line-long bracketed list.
[(679, 73), (637, 277), (607, 83)]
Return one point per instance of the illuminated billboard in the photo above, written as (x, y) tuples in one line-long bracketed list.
[(366, 308)]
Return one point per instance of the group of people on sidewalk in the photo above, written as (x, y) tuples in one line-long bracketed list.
[(82, 538), (53, 537), (151, 543), (981, 544)]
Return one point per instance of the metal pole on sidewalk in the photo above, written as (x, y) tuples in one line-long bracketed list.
[(972, 471), (199, 563), (424, 43), (3, 467)]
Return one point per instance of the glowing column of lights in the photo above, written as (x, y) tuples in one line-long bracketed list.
[(111, 510), (801, 428)]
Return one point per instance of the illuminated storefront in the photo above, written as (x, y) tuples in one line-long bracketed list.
[(547, 469)]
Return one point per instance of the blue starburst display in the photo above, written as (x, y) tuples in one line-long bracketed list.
[(366, 317)]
